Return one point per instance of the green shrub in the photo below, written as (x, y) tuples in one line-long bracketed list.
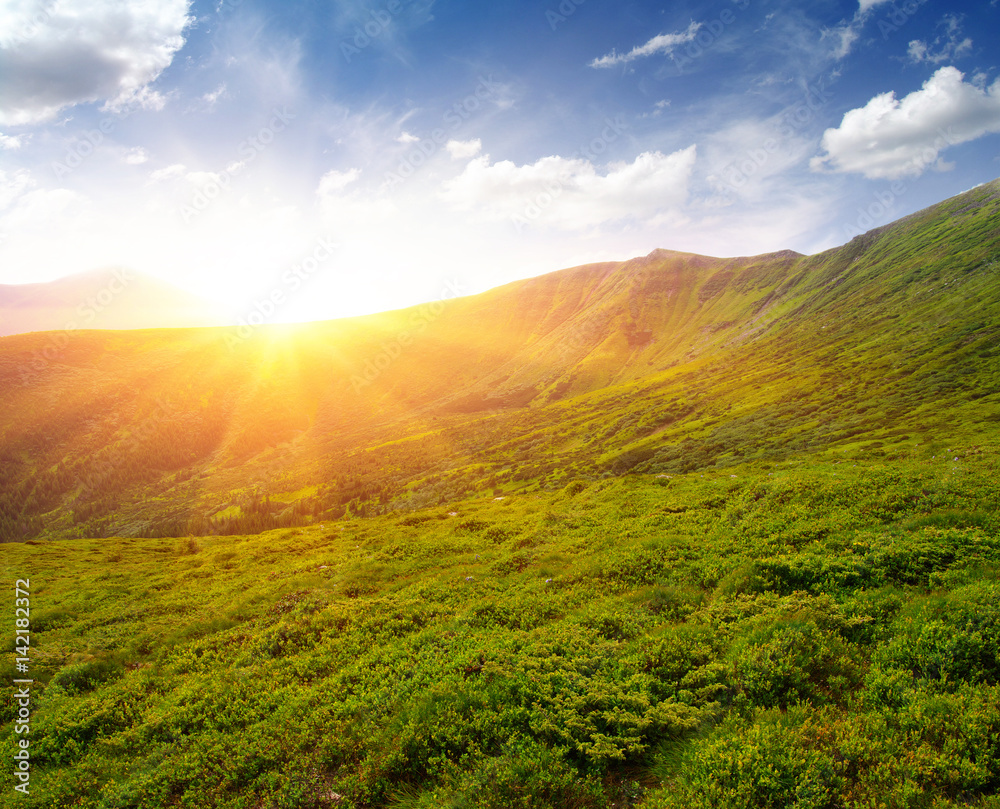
[(792, 660), (769, 762), (950, 639), (82, 677), (672, 601)]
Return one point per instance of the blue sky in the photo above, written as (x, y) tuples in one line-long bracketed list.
[(349, 157)]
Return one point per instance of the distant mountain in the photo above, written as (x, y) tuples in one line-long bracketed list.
[(102, 299), (669, 363)]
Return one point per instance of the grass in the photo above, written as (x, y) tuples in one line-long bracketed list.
[(822, 635)]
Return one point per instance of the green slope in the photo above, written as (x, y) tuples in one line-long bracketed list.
[(824, 635), (669, 362)]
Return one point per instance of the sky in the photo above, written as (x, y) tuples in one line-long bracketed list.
[(310, 160)]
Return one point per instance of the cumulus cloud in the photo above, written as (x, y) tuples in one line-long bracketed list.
[(136, 156), (407, 138), (464, 149), (662, 43), (78, 51), (891, 138), (10, 141), (570, 193)]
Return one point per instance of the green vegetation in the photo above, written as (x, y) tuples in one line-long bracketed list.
[(888, 339), (823, 636), (680, 532)]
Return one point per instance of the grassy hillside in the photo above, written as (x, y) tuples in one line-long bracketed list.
[(823, 634), (667, 363), (677, 532)]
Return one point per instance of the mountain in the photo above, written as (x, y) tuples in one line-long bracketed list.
[(667, 363), (102, 299)]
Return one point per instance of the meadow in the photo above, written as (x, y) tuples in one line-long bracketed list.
[(820, 632)]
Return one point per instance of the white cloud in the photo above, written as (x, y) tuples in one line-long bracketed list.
[(11, 141), (12, 185), (43, 211), (333, 182), (947, 47), (843, 37), (80, 51), (464, 149), (201, 179), (406, 138), (893, 138), (356, 214), (209, 101), (168, 173), (136, 156), (570, 193), (867, 5), (754, 160), (212, 98), (917, 51), (144, 98), (658, 109), (662, 43)]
